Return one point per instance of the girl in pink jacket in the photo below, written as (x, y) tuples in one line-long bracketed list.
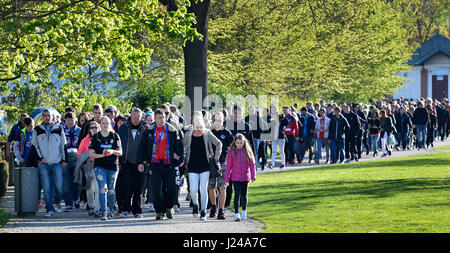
[(241, 169)]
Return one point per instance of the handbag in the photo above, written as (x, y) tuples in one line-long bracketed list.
[(214, 166)]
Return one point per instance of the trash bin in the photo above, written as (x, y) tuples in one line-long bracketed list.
[(26, 191)]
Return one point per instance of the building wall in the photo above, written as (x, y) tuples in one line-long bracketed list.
[(412, 88)]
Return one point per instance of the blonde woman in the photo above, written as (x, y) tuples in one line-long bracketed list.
[(198, 141), (106, 148)]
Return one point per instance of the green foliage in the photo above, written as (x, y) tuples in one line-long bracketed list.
[(341, 50), (152, 91), (45, 43), (4, 175)]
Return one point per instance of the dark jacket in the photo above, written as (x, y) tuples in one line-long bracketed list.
[(338, 128), (125, 133), (175, 143), (403, 122), (420, 116), (442, 115), (387, 127), (354, 123)]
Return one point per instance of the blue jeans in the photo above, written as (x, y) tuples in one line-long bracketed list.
[(320, 143), (106, 180), (337, 150), (421, 135), (256, 143), (374, 141), (52, 183), (71, 191)]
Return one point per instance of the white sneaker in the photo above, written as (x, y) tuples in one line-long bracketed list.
[(59, 209), (176, 209), (244, 215), (50, 214), (152, 208), (237, 217), (124, 214)]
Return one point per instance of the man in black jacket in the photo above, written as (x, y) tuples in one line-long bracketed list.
[(442, 119), (130, 177), (338, 127), (351, 136), (403, 126), (363, 123), (161, 148), (420, 121)]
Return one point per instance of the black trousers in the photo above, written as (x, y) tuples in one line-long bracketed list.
[(262, 152), (430, 136), (289, 148), (164, 186), (229, 192), (240, 195), (131, 185), (442, 130), (351, 151)]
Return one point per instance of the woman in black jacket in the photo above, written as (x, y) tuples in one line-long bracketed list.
[(431, 126)]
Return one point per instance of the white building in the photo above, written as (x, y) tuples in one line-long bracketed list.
[(430, 67)]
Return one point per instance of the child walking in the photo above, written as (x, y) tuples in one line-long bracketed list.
[(241, 169)]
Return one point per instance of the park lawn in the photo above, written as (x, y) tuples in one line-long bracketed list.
[(443, 148), (402, 195)]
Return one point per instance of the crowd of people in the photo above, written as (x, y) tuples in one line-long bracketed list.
[(116, 164)]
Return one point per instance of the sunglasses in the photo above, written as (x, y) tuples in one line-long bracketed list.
[(93, 128)]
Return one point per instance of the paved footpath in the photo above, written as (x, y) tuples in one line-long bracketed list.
[(79, 222)]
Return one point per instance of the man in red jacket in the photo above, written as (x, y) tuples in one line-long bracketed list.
[(292, 135)]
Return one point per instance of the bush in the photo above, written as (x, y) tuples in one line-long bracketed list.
[(4, 173)]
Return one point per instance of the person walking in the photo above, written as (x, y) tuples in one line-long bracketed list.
[(322, 128), (71, 191), (420, 122), (387, 127), (197, 142), (131, 178), (236, 124), (49, 141), (23, 143), (374, 130), (161, 149), (105, 149), (92, 192), (277, 137), (442, 119), (431, 126), (403, 126), (307, 134), (218, 183), (351, 151), (338, 127), (292, 134), (240, 169)]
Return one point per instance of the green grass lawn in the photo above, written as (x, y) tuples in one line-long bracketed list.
[(403, 195), (443, 148)]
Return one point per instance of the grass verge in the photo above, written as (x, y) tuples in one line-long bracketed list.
[(402, 195)]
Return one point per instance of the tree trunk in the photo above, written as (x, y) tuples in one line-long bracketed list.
[(195, 59)]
